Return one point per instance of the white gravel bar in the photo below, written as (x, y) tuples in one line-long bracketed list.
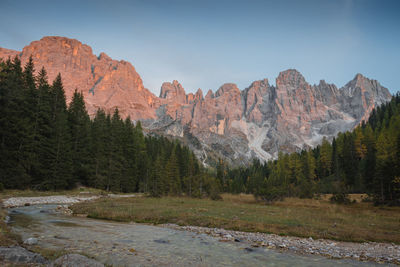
[(22, 201)]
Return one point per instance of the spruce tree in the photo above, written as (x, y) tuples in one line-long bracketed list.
[(79, 125), (44, 130), (59, 158), (172, 174), (99, 148), (30, 110)]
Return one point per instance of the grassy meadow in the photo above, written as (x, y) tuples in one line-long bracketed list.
[(357, 222)]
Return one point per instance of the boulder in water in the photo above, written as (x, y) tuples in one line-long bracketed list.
[(20, 255), (31, 241)]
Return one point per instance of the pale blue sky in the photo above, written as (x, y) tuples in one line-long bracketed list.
[(204, 44)]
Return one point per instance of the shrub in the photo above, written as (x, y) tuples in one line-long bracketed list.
[(271, 194), (215, 196), (340, 198), (367, 198)]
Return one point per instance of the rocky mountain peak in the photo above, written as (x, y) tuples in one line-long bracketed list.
[(8, 53), (230, 88), (260, 83), (199, 95), (291, 78), (173, 92), (59, 44), (322, 83), (104, 56), (360, 82), (209, 94), (368, 93), (106, 83)]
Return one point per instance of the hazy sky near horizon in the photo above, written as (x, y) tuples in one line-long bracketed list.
[(204, 44)]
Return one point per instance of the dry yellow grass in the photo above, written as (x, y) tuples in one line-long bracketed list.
[(298, 217)]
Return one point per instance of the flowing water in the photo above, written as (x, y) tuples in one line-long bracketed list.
[(129, 244)]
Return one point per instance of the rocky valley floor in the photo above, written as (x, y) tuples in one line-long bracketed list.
[(72, 235)]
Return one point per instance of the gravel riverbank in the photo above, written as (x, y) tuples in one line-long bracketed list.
[(369, 251), (23, 201)]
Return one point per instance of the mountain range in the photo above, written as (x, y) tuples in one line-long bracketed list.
[(236, 125)]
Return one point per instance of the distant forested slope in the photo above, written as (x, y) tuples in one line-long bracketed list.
[(365, 160)]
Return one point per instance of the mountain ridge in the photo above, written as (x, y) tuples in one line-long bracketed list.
[(238, 125)]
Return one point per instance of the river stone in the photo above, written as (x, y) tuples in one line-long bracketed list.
[(31, 241), (75, 260), (7, 219), (249, 249), (20, 255), (161, 241)]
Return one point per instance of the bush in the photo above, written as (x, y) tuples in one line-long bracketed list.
[(340, 198), (215, 196), (213, 189), (367, 198), (306, 189), (271, 194)]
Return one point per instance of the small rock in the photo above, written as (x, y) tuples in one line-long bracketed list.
[(249, 249), (31, 241), (161, 241), (75, 260), (7, 219), (237, 240), (21, 255)]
